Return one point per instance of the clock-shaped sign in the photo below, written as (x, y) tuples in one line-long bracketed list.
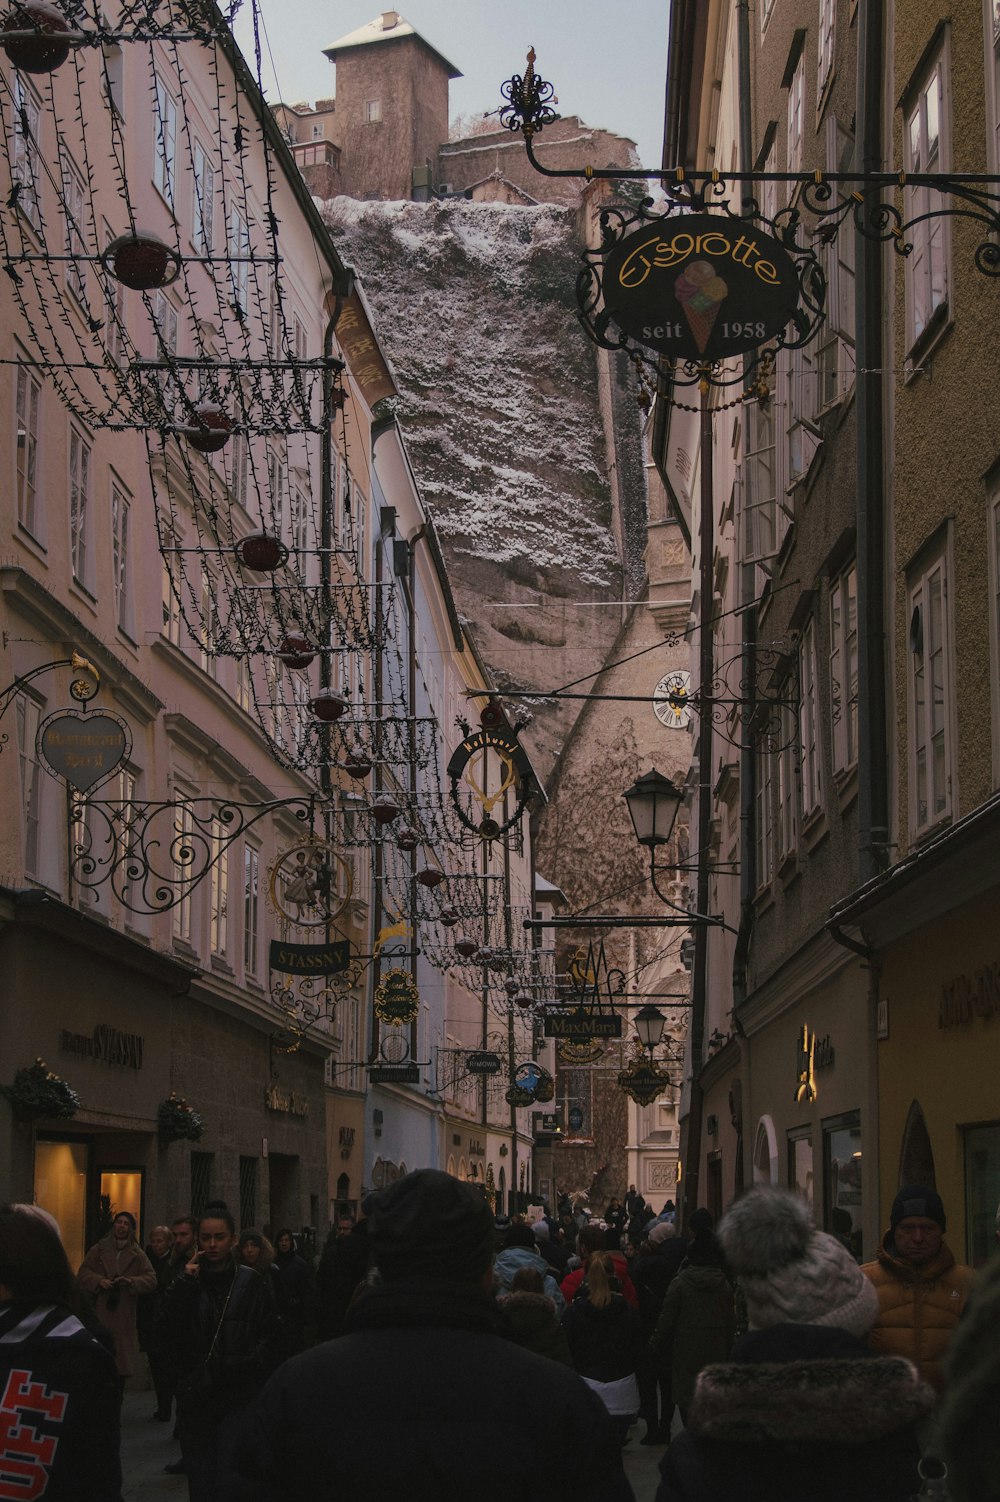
[(672, 700)]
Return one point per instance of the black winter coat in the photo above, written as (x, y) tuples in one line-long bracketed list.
[(606, 1344), (293, 1285), (801, 1414), (533, 1322), (249, 1343), (418, 1399), (342, 1267), (61, 1441), (652, 1272)]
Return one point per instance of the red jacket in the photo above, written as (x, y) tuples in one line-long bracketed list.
[(569, 1285)]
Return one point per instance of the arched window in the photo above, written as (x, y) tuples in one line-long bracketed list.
[(451, 1166), (765, 1153)]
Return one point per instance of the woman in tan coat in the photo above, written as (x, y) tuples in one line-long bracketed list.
[(114, 1273)]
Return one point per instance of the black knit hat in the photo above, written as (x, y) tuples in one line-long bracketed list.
[(432, 1225), (919, 1200)]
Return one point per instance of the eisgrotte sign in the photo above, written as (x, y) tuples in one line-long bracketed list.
[(699, 287)]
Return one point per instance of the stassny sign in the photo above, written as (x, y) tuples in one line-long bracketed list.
[(309, 959), (108, 1044)]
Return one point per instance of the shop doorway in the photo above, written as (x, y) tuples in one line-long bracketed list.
[(283, 1190), (120, 1189), (62, 1172)]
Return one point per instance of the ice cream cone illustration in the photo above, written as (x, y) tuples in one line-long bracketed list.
[(701, 294)]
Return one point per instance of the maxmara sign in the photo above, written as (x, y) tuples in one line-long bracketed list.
[(700, 287)]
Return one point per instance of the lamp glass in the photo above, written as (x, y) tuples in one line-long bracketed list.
[(653, 801), (649, 1024)]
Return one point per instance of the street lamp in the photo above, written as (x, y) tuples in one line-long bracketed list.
[(649, 1024), (653, 802)]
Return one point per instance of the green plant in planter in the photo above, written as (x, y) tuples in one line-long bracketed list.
[(177, 1121), (37, 1093)]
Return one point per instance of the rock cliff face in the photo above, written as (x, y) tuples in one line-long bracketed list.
[(500, 406)]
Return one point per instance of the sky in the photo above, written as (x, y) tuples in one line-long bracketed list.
[(607, 61)]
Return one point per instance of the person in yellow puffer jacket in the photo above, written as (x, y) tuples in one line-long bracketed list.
[(922, 1290)]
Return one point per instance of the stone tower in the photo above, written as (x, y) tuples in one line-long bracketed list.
[(391, 110)]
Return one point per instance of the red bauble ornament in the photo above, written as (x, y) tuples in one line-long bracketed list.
[(466, 947), (356, 764), (295, 651), (262, 552), (211, 430), (142, 261), (36, 54), (407, 838), (329, 705), (430, 876), (384, 810)]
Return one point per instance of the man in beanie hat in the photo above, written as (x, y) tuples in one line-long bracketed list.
[(921, 1289), (802, 1409), (426, 1394)]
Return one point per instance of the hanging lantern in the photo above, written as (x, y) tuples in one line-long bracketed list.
[(262, 552), (483, 955), (511, 985), (466, 947), (384, 810), (449, 917), (44, 52), (295, 651), (211, 431), (356, 764), (329, 705), (407, 838), (430, 876), (141, 261)]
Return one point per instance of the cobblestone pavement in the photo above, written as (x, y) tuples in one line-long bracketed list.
[(147, 1447)]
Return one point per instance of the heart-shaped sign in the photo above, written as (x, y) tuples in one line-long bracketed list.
[(83, 749)]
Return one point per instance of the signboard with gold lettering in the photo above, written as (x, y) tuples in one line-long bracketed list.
[(397, 1000), (83, 749), (699, 287), (310, 959)]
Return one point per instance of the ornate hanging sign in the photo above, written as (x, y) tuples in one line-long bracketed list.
[(83, 750), (699, 287), (397, 1000), (310, 884), (580, 1025), (643, 1081), (488, 764), (535, 1080), (483, 1061), (309, 959)]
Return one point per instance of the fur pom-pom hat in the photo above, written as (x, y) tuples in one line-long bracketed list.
[(790, 1272)]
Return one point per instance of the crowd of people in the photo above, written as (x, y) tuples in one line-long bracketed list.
[(758, 1355)]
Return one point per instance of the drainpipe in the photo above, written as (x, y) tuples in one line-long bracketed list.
[(747, 592), (873, 758)]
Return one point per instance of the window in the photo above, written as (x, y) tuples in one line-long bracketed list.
[(26, 117), (275, 707), (29, 393), (766, 7), (764, 822), (844, 668), (800, 1161), (803, 436), (126, 783), (842, 1180), (992, 36), (835, 349), (219, 889), (114, 310), (181, 910), (248, 1191), (251, 910), (209, 623), (926, 150), (164, 141), (114, 77), (171, 625), (982, 1190), (812, 776), (243, 683), (795, 117), (28, 715), (993, 499), (352, 1074), (204, 201), (827, 33), (74, 208), (79, 506), (761, 528), (930, 744), (238, 251), (788, 821), (373, 111), (240, 471), (201, 1182), (300, 521), (277, 478), (121, 513), (165, 324)]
